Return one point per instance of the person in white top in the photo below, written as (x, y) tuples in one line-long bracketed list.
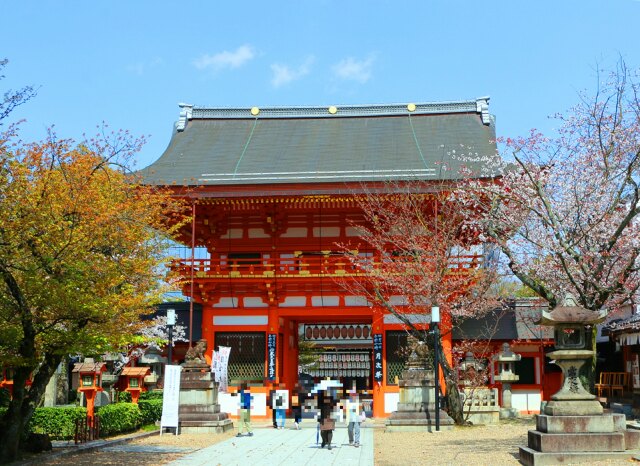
[(353, 418)]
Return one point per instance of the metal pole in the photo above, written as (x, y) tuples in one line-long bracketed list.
[(170, 344), (436, 362), (193, 247), (171, 321)]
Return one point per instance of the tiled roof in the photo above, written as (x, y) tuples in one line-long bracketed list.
[(431, 141), (135, 371), (517, 322), (89, 367)]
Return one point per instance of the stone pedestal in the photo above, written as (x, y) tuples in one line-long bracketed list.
[(416, 407), (507, 411), (199, 411), (572, 399), (573, 428), (579, 439)]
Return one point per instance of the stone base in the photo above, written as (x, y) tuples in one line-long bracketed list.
[(509, 413), (573, 408), (579, 439), (606, 423), (576, 442), (530, 457), (488, 416), (417, 421), (415, 428), (206, 427)]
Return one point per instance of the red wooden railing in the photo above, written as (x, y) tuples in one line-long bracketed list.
[(302, 266)]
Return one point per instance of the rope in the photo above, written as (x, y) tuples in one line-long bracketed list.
[(235, 171), (415, 138)]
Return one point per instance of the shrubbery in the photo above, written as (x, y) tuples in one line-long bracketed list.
[(59, 423), (5, 397), (123, 397), (119, 417), (153, 395), (151, 410)]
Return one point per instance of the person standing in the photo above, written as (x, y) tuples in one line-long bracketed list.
[(280, 405), (296, 407), (244, 416), (327, 423), (353, 418), (270, 401)]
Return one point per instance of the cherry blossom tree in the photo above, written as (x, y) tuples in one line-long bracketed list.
[(154, 335), (416, 252), (564, 211)]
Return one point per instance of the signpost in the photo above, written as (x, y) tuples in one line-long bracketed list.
[(271, 349), (377, 357), (170, 397)]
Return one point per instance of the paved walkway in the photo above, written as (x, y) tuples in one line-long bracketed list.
[(272, 447)]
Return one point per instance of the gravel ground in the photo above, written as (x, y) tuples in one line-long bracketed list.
[(474, 445), (149, 451), (490, 445)]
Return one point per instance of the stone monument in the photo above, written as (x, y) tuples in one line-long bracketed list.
[(199, 411), (416, 407), (507, 375), (573, 428)]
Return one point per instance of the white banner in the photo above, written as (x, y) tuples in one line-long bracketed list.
[(215, 365), (170, 397), (223, 351)]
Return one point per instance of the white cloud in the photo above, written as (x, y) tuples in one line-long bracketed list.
[(226, 59), (354, 70), (141, 67), (284, 74)]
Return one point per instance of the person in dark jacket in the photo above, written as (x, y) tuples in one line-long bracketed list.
[(327, 423), (296, 406)]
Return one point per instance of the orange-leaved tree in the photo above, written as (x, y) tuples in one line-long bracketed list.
[(81, 251)]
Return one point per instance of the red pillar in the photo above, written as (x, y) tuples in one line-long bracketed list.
[(447, 344), (378, 392)]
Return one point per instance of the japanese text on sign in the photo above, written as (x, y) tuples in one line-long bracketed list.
[(271, 350), (377, 357)]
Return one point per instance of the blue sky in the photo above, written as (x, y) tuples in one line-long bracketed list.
[(129, 63)]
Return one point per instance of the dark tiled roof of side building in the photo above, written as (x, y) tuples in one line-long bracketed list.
[(227, 146), (518, 321)]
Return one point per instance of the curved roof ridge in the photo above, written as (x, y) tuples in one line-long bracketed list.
[(192, 112)]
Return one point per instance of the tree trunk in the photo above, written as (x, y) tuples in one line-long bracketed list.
[(13, 421), (23, 405), (454, 402), (453, 395)]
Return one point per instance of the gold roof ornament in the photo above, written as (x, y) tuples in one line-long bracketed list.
[(411, 107), (333, 109), (255, 111)]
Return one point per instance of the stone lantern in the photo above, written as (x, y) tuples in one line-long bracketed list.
[(417, 401), (135, 381), (469, 368), (506, 376), (90, 381), (569, 321), (574, 428)]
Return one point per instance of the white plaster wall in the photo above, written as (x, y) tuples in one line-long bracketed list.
[(391, 402), (526, 400)]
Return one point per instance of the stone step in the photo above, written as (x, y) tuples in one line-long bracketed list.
[(576, 442), (203, 418), (530, 457), (605, 423)]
